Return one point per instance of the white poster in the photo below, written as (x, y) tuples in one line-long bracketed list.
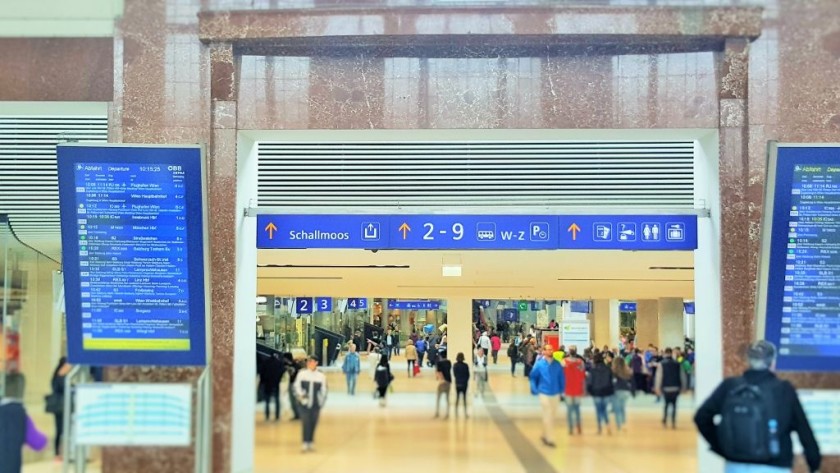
[(575, 332), (133, 414), (822, 407), (542, 318)]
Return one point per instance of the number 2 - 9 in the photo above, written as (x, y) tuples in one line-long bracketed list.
[(324, 304), (304, 305)]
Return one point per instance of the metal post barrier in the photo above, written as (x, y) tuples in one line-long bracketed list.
[(5, 315), (203, 422), (68, 425)]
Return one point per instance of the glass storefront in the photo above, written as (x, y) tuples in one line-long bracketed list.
[(30, 333)]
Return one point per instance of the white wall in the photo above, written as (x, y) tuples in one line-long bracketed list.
[(707, 292), (244, 341)]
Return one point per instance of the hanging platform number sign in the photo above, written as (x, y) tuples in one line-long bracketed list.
[(357, 303)]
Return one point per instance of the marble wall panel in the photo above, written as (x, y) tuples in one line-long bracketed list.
[(162, 95), (57, 69), (514, 92)]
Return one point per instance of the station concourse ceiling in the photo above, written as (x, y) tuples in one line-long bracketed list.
[(549, 275)]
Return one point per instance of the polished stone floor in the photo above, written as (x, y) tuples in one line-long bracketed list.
[(502, 434)]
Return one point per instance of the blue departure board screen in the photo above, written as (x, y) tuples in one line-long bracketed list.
[(134, 252), (799, 284)]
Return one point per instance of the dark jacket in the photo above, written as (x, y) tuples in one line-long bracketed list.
[(670, 377), (462, 374), (621, 383), (57, 385), (789, 414), (12, 436), (383, 376), (272, 373), (600, 381)]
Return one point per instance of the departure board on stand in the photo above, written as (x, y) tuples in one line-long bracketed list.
[(134, 251), (798, 306)]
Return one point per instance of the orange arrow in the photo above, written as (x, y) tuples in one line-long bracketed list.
[(574, 229), (270, 228), (404, 228)]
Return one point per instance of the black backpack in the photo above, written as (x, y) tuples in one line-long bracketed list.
[(744, 431)]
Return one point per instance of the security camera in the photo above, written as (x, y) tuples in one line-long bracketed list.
[(374, 251)]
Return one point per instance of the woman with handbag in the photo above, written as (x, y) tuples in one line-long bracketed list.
[(55, 401)]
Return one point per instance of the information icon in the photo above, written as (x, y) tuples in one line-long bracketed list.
[(627, 231), (603, 231)]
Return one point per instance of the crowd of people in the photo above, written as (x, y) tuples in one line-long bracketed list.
[(566, 376), (748, 419)]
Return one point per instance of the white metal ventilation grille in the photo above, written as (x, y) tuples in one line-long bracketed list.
[(28, 177), (626, 174)]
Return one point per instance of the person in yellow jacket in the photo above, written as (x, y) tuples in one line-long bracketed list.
[(560, 354), (410, 357)]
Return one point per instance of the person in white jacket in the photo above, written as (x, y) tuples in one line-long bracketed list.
[(311, 392)]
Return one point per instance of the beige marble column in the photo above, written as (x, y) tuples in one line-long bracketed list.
[(671, 322), (647, 322), (459, 327), (599, 323)]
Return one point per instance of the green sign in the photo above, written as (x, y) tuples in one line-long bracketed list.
[(523, 305)]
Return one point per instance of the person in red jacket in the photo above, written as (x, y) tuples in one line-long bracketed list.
[(495, 346), (575, 371)]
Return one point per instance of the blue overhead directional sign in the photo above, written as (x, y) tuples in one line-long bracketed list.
[(478, 232), (413, 305), (627, 307), (134, 250)]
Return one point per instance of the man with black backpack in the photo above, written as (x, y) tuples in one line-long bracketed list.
[(757, 412)]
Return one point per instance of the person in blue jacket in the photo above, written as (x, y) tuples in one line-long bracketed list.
[(548, 382)]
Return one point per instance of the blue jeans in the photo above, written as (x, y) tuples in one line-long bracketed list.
[(351, 382), (573, 412), (601, 404), (732, 467), (619, 403)]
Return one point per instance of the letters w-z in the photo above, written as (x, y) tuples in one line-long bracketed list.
[(513, 235)]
